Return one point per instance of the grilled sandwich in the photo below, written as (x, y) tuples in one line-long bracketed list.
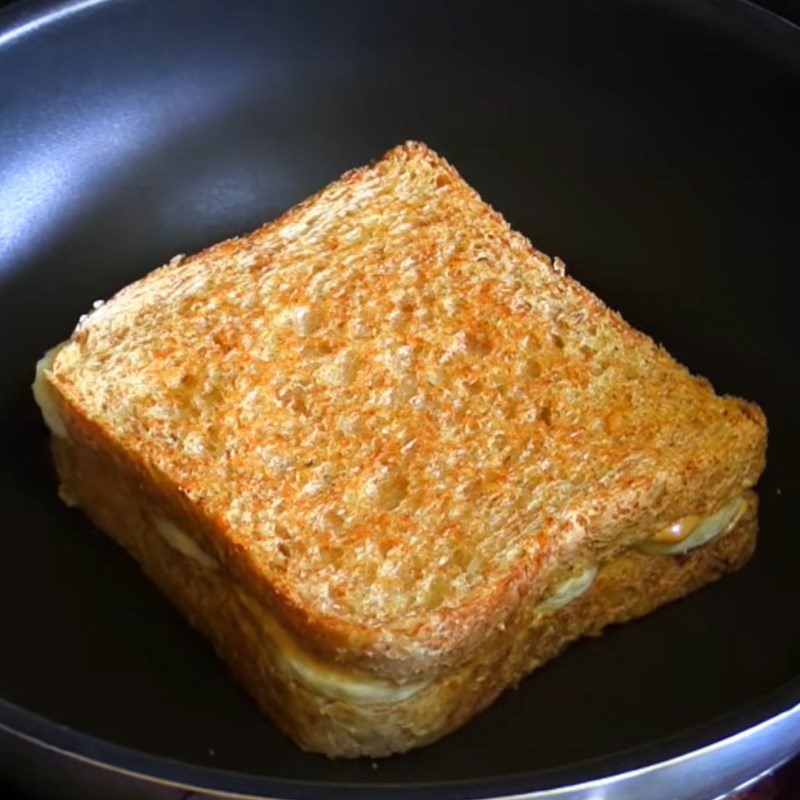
[(390, 458)]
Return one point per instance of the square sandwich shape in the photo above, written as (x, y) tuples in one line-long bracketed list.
[(389, 458)]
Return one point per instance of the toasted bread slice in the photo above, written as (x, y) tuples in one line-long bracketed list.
[(345, 712), (396, 433)]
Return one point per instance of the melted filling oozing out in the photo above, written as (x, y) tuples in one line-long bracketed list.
[(570, 590), (43, 394), (689, 533)]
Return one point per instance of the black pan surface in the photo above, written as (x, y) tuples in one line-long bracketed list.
[(652, 145)]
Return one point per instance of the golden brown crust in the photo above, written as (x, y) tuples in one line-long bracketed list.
[(393, 420), (628, 586)]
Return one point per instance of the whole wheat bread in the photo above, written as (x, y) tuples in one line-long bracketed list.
[(396, 428)]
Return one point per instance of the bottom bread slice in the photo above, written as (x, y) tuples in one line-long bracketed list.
[(330, 711)]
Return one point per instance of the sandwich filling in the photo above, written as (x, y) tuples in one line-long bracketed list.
[(570, 590), (179, 540), (43, 394), (690, 532), (322, 678)]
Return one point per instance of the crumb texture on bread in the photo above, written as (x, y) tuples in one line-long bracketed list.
[(393, 417), (318, 707)]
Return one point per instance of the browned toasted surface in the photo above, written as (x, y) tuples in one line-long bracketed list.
[(629, 585), (393, 420)]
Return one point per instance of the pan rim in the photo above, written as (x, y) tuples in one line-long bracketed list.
[(26, 18), (596, 773)]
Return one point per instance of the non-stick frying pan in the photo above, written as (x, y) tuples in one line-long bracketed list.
[(654, 146)]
